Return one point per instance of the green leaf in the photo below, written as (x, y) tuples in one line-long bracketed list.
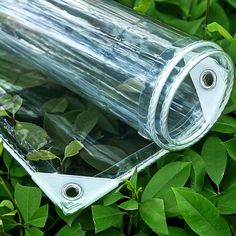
[(134, 180), (11, 103), (198, 170), (105, 217), (11, 213), (39, 218), (112, 197), (29, 79), (69, 219), (74, 230), (86, 121), (3, 113), (85, 219), (108, 123), (232, 3), (7, 159), (144, 6), (73, 148), (129, 205), (230, 146), (1, 148), (58, 128), (233, 93), (17, 103), (141, 234), (153, 214), (199, 9), (102, 157), (184, 5), (175, 231), (190, 27), (71, 115), (41, 155), (16, 170), (200, 214), (111, 232), (226, 201), (215, 27), (226, 124), (171, 208), (33, 232), (173, 174), (232, 53), (229, 176), (30, 136), (217, 14), (8, 204), (133, 85), (28, 200), (3, 185), (55, 105), (215, 157), (8, 224)]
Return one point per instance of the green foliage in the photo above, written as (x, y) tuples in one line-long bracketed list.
[(30, 136), (55, 105), (74, 230), (28, 202), (215, 156), (200, 214), (10, 103), (73, 148), (86, 121), (186, 193), (105, 217), (41, 155), (102, 156), (174, 174), (153, 214), (215, 27)]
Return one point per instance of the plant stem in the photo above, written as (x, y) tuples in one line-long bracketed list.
[(190, 9), (62, 167), (130, 224), (52, 226), (3, 172), (206, 18), (232, 230), (10, 196)]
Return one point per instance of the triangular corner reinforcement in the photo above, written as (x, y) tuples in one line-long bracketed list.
[(92, 189)]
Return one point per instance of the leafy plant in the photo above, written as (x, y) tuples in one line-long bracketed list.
[(72, 149), (191, 192)]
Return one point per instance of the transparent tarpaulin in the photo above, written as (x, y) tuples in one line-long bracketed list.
[(117, 87)]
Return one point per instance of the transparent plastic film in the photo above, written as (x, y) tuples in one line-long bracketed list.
[(59, 137), (120, 61), (89, 91)]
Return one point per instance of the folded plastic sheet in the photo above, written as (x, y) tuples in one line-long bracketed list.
[(91, 90)]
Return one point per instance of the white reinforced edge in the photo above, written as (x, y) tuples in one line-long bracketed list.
[(182, 143), (71, 206), (160, 84)]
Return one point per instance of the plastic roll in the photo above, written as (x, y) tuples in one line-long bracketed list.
[(169, 86)]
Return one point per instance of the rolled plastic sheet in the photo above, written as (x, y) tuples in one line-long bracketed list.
[(110, 84)]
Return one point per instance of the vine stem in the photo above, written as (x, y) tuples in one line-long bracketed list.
[(206, 17), (9, 194)]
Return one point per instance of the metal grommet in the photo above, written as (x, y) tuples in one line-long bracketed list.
[(72, 191), (208, 79)]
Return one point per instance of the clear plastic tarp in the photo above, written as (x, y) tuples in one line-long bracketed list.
[(89, 91)]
